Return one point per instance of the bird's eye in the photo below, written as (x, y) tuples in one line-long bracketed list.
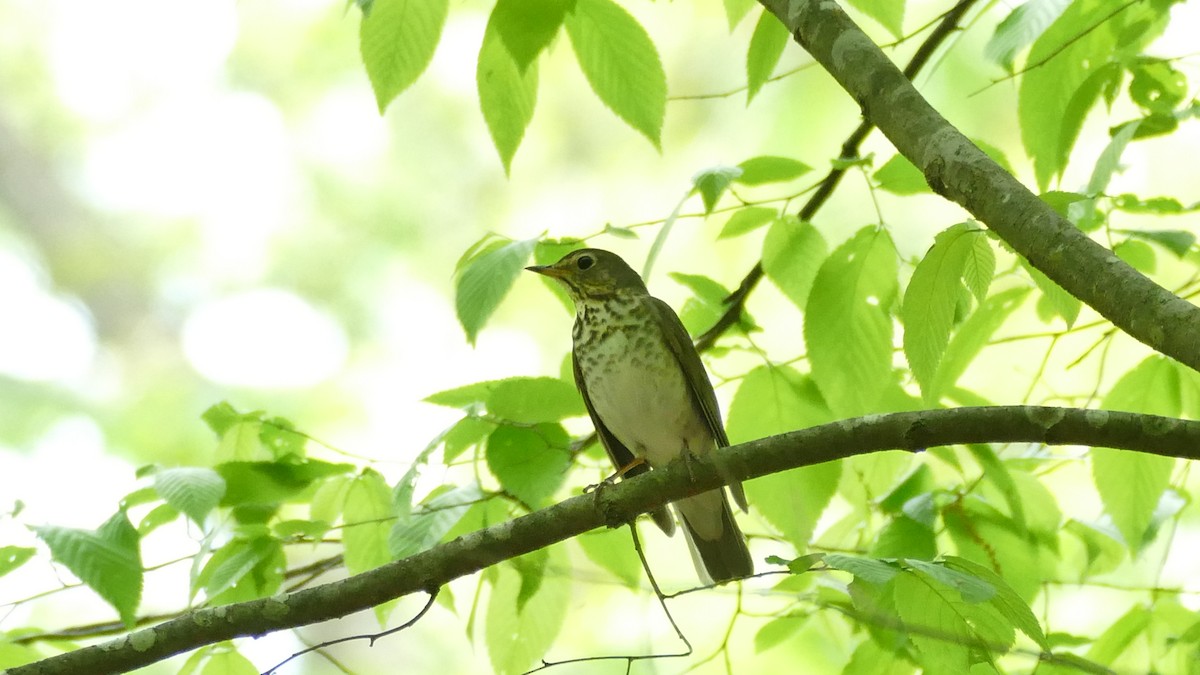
[(585, 261)]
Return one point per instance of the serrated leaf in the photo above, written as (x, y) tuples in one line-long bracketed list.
[(905, 537), (465, 433), (529, 400), (483, 281), (1020, 28), (1058, 301), (530, 463), (613, 550), (766, 169), (421, 530), (12, 557), (944, 641), (1006, 599), (746, 219), (971, 587), (367, 517), (972, 336), (1109, 160), (507, 90), (766, 46), (1073, 69), (397, 39), (528, 26), (108, 560), (889, 13), (847, 327), (1138, 254), (712, 183), (1131, 484), (242, 569), (517, 637), (621, 64), (194, 491), (792, 254), (771, 400), (1102, 544), (901, 177), (220, 417), (933, 295), (271, 483), (870, 570)]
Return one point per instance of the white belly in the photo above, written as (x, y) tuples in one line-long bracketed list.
[(645, 403)]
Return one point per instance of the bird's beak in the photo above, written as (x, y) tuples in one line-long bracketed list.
[(547, 270)]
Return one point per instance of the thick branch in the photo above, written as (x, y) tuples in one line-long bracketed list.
[(961, 172), (618, 504), (737, 300)]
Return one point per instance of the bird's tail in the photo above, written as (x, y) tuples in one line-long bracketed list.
[(717, 545)]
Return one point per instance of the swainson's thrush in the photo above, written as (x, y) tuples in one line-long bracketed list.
[(649, 397)]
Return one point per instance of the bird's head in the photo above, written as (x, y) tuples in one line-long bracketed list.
[(592, 273)]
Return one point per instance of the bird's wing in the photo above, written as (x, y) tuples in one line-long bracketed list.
[(680, 344), (703, 396), (620, 455)]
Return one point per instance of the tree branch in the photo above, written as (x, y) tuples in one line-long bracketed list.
[(618, 504), (956, 169), (737, 300)]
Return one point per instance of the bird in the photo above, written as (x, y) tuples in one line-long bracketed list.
[(649, 398)]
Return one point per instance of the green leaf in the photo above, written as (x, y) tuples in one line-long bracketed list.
[(397, 39), (972, 336), (901, 177), (12, 557), (766, 46), (1103, 547), (421, 530), (792, 254), (970, 587), (1109, 160), (706, 305), (527, 26), (777, 631), (986, 536), (519, 634), (1057, 301), (1130, 483), (1156, 86), (766, 169), (243, 569), (192, 490), (620, 63), (367, 516), (229, 661), (933, 295), (1119, 636), (868, 569), (944, 641), (1138, 254), (530, 463), (613, 550), (108, 560), (1073, 67), (889, 13), (465, 433), (871, 658), (1006, 599), (270, 483), (242, 442), (529, 400), (484, 280), (221, 417), (712, 183), (847, 327), (904, 537), (507, 90), (746, 219), (1020, 28), (736, 10), (1179, 242), (772, 400)]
